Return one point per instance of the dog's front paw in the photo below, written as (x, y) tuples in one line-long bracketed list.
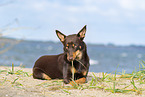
[(66, 81)]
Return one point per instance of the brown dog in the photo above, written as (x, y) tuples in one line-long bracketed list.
[(60, 66)]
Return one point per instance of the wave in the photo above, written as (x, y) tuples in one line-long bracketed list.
[(94, 62)]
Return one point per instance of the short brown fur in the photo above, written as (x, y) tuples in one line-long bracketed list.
[(60, 66)]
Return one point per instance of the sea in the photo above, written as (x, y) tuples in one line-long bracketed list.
[(103, 58)]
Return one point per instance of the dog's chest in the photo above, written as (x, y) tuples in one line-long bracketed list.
[(76, 68)]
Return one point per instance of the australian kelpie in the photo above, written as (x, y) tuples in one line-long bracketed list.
[(60, 66)]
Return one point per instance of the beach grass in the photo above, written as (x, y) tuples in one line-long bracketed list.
[(116, 82)]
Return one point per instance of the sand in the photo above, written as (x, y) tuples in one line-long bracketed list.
[(22, 84)]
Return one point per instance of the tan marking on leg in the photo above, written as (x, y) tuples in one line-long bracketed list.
[(45, 76), (79, 81), (84, 73)]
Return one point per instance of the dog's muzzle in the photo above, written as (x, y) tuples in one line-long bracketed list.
[(75, 55), (70, 58)]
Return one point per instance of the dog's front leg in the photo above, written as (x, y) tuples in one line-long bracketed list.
[(66, 77), (78, 81)]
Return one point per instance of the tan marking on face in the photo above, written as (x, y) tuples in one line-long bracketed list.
[(80, 47), (78, 54), (67, 56), (67, 45), (45, 76), (74, 55), (73, 45)]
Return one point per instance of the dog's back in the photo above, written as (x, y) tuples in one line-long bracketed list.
[(48, 65)]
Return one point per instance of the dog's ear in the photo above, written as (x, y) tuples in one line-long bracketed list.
[(82, 33), (60, 36)]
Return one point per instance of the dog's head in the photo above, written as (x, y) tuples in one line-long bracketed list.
[(73, 44)]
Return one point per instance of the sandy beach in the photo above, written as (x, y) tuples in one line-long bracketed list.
[(20, 83)]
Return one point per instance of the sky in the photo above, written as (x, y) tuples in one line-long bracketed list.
[(121, 22)]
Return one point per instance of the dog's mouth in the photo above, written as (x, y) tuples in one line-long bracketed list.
[(76, 56), (71, 57)]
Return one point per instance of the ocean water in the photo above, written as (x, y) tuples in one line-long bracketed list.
[(103, 58)]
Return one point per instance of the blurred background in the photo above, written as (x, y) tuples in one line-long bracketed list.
[(115, 31)]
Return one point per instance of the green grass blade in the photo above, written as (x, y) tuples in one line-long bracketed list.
[(114, 87), (15, 80), (66, 91)]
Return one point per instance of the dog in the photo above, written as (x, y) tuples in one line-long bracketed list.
[(60, 66)]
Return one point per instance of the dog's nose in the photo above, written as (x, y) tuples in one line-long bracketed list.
[(71, 58)]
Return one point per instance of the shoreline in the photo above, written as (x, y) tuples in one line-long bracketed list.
[(20, 82)]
